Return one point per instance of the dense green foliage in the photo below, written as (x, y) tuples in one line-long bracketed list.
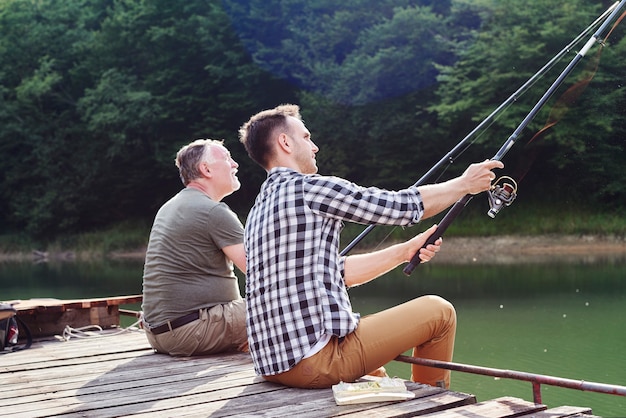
[(96, 96)]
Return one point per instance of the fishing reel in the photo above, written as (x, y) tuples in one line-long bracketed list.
[(501, 195)]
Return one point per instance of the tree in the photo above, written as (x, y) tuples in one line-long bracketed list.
[(100, 94), (513, 42), (96, 96), (38, 125), (366, 71), (351, 53)]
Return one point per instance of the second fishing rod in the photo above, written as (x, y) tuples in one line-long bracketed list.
[(458, 206), (458, 149)]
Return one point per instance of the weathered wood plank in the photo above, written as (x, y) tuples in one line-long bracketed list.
[(562, 412), (147, 364), (53, 362), (52, 322), (29, 306), (122, 376), (302, 404), (437, 402), (142, 375), (53, 353), (195, 394), (134, 400), (505, 407), (48, 317), (112, 382)]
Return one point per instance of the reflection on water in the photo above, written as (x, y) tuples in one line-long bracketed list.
[(69, 280), (564, 318)]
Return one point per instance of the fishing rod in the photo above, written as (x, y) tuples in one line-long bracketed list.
[(500, 195), (507, 190), (458, 149)]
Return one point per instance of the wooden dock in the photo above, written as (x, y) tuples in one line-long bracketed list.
[(119, 375)]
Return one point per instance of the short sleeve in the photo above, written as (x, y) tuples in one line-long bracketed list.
[(226, 228)]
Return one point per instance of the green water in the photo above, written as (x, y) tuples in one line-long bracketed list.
[(562, 319), (565, 319)]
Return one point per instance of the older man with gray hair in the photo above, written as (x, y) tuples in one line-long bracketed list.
[(191, 299)]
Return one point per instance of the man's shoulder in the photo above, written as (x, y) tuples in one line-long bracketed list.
[(193, 203), (192, 197)]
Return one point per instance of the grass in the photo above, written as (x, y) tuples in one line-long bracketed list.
[(542, 220), (472, 222), (124, 237), (524, 221)]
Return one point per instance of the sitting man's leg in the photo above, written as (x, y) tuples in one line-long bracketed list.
[(426, 324)]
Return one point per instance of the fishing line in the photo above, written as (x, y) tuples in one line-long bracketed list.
[(465, 143), (533, 147), (458, 206)]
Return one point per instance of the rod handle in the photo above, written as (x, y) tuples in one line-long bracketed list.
[(441, 228)]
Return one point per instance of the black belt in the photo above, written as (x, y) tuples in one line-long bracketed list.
[(178, 322)]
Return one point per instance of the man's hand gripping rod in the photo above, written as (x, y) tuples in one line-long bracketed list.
[(458, 206)]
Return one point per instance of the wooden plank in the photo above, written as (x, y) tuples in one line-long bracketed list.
[(49, 322), (65, 361), (120, 375), (132, 400), (50, 304), (292, 402), (48, 317), (125, 364), (113, 392), (505, 407), (238, 401), (131, 343), (115, 376), (301, 404), (143, 375), (148, 382), (562, 412), (419, 406), (106, 362)]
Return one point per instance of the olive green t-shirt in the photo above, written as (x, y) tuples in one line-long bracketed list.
[(185, 268)]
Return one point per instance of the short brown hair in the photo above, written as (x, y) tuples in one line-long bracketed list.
[(256, 133)]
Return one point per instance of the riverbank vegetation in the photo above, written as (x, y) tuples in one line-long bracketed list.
[(96, 97), (129, 239)]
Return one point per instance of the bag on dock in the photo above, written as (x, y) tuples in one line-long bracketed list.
[(9, 330)]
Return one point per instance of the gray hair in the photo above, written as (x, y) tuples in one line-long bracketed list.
[(189, 157)]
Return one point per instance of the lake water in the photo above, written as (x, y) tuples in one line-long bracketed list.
[(563, 318)]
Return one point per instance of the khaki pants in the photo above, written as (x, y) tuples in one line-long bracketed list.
[(426, 324), (219, 328)]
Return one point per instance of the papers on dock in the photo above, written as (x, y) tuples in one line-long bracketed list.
[(381, 390)]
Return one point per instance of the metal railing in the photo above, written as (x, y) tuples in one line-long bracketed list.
[(536, 379)]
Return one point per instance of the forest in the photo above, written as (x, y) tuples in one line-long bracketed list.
[(96, 97)]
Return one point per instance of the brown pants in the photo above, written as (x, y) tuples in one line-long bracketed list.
[(219, 328), (426, 324)]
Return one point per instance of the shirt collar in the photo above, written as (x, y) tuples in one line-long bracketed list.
[(281, 170)]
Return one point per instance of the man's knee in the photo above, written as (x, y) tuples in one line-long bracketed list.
[(441, 305)]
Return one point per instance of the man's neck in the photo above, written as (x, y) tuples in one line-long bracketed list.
[(193, 184)]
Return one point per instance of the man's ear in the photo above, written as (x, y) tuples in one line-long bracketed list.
[(284, 142), (204, 170)]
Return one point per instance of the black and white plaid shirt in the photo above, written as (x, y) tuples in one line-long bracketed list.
[(294, 283)]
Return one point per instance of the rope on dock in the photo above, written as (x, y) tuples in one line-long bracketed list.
[(91, 331)]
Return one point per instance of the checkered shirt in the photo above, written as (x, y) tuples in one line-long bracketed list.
[(294, 282)]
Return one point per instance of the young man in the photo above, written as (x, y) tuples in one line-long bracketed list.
[(191, 299), (302, 331)]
